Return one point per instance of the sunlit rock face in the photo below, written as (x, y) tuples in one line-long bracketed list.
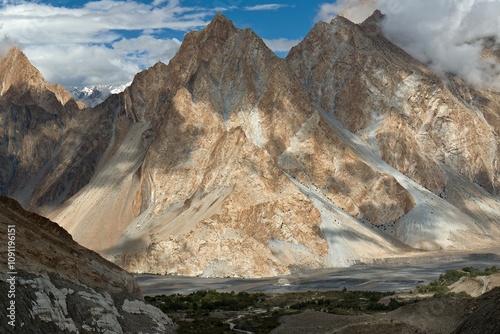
[(412, 118), (230, 161), (224, 126), (62, 287), (22, 84)]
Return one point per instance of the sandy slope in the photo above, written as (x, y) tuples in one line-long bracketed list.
[(107, 198), (433, 223), (476, 286)]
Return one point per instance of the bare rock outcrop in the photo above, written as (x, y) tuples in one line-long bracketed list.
[(62, 287), (409, 115), (23, 84)]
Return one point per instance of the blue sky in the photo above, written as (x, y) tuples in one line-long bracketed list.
[(108, 41)]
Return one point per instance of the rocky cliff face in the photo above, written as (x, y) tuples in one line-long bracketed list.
[(49, 148), (22, 84), (62, 287), (437, 132), (413, 119), (221, 136), (230, 161)]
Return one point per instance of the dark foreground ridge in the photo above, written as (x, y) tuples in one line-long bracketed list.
[(486, 315), (51, 284)]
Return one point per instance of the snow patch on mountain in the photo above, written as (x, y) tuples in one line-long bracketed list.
[(92, 96)]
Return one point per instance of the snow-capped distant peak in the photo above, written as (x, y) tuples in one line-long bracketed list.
[(96, 94), (87, 90), (119, 89)]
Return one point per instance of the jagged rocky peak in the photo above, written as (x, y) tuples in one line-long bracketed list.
[(35, 119), (340, 21), (23, 84), (201, 46), (228, 106), (16, 70), (395, 103), (376, 17), (372, 24), (327, 51), (213, 35), (221, 59), (220, 27)]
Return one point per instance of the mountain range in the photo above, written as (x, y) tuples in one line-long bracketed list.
[(230, 161)]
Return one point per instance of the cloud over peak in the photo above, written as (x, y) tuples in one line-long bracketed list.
[(281, 44), (448, 36)]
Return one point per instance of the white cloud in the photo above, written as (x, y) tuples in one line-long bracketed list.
[(80, 64), (447, 35), (30, 22), (74, 46), (271, 6), (158, 2), (147, 49), (281, 44), (356, 11), (75, 65)]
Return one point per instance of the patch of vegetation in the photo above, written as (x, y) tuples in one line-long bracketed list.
[(350, 302), (440, 286), (260, 323), (210, 311), (197, 311), (205, 301), (473, 272), (206, 324)]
